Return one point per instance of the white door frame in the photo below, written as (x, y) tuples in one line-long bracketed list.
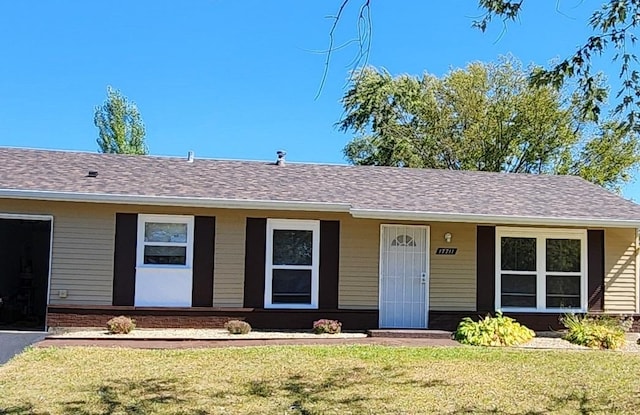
[(426, 267), (44, 218)]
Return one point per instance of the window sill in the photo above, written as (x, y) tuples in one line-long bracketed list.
[(291, 306), (164, 267), (542, 310)]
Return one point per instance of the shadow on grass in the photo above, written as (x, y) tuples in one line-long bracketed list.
[(23, 409), (131, 398)]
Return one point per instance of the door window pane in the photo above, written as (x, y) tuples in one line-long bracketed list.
[(563, 291), (563, 255), (165, 232), (518, 254), (292, 247), (291, 286), (165, 255)]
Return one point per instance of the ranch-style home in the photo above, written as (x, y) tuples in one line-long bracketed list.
[(192, 242)]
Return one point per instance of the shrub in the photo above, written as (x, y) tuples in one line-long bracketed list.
[(599, 332), (327, 326), (237, 327), (492, 331), (121, 325)]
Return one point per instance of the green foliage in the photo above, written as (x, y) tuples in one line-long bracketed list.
[(327, 326), (599, 332), (485, 117), (613, 25), (237, 327), (120, 126), (121, 325), (492, 331)]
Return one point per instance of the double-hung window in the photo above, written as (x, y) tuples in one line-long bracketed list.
[(541, 269), (292, 263), (165, 241)]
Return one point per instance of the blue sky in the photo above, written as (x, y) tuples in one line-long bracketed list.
[(237, 78)]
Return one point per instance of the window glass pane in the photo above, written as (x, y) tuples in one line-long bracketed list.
[(518, 284), (518, 290), (563, 291), (292, 247), (563, 255), (518, 300), (165, 255), (518, 254), (165, 232), (291, 286)]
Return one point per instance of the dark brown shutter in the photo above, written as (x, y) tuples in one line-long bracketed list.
[(595, 254), (124, 259), (254, 262), (203, 254), (329, 264), (486, 268)]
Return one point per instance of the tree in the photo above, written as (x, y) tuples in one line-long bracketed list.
[(613, 25), (484, 117), (120, 126)]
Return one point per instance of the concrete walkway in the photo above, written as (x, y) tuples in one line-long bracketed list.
[(14, 342)]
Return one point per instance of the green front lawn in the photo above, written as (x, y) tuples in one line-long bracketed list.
[(319, 380)]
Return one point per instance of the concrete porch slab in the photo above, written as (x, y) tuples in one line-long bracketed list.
[(410, 333)]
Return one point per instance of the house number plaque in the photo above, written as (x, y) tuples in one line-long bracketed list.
[(446, 251)]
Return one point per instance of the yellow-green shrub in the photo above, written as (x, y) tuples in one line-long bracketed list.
[(493, 331), (599, 332)]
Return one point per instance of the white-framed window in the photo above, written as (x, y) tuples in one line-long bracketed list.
[(292, 263), (165, 241), (541, 269)]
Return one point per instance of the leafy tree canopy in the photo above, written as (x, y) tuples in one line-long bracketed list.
[(484, 117), (120, 126), (614, 25)]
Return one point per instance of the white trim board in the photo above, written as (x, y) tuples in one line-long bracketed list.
[(382, 214)]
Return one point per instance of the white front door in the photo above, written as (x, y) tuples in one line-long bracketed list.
[(404, 276)]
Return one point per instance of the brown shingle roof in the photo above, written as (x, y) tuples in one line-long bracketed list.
[(386, 190)]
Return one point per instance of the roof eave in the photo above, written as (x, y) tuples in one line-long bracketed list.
[(313, 206), (492, 219)]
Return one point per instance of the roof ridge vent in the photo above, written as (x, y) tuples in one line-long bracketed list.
[(191, 156), (281, 157)]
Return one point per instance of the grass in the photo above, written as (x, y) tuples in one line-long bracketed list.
[(319, 380)]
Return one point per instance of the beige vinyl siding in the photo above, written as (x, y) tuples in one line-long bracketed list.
[(228, 268), (620, 270), (452, 278), (82, 252), (359, 264)]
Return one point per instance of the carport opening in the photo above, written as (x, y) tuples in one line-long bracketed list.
[(24, 273)]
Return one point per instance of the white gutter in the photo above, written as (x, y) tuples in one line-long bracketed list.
[(173, 201), (490, 219)]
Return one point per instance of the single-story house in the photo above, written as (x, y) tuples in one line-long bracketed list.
[(194, 242)]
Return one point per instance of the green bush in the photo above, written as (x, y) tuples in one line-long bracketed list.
[(121, 325), (237, 327), (598, 332), (492, 331), (327, 326)]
